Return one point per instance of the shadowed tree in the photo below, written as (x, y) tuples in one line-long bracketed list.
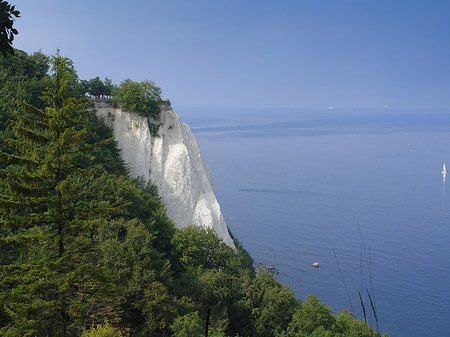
[(7, 32)]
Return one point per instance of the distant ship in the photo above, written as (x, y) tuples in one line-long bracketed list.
[(444, 170), (330, 108)]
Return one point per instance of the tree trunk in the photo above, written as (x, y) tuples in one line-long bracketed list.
[(207, 321)]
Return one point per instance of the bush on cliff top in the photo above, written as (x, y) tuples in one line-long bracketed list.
[(142, 98)]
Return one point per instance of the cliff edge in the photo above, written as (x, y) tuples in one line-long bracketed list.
[(169, 157)]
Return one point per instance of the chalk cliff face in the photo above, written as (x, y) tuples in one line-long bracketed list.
[(172, 161)]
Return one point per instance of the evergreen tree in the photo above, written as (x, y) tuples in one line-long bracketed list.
[(22, 77), (48, 284)]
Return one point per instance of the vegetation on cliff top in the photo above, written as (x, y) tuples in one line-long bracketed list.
[(142, 98), (86, 250)]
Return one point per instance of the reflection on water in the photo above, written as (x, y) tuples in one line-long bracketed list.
[(444, 175)]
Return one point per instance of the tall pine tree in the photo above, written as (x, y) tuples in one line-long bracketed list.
[(48, 284)]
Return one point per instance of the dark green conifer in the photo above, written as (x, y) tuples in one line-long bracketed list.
[(48, 284)]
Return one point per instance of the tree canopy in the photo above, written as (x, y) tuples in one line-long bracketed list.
[(97, 88), (142, 98)]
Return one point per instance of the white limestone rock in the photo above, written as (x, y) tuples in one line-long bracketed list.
[(172, 161)]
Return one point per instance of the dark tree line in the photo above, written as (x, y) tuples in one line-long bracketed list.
[(97, 88)]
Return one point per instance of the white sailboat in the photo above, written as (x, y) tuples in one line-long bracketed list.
[(444, 170)]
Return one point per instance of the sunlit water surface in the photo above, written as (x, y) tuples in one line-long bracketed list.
[(359, 192)]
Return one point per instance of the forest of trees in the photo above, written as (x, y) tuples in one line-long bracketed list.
[(86, 250)]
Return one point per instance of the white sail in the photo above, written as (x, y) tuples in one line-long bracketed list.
[(444, 169)]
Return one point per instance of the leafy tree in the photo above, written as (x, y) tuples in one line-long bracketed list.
[(134, 243), (128, 250), (138, 202), (210, 272), (109, 87), (268, 304), (142, 98), (96, 87), (200, 246), (311, 316), (7, 32), (48, 286), (346, 325), (245, 260), (189, 325), (314, 319)]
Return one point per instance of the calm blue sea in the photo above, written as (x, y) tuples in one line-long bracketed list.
[(361, 192)]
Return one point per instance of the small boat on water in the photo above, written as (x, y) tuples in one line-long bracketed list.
[(444, 170)]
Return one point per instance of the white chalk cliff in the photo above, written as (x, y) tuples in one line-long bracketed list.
[(172, 161)]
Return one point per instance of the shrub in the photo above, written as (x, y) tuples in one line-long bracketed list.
[(142, 98), (105, 330)]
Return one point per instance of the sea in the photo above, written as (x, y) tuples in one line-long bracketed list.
[(360, 191)]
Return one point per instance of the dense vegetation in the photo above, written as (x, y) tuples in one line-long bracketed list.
[(97, 88), (142, 98), (86, 250)]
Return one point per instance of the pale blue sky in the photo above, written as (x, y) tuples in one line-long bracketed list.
[(256, 53)]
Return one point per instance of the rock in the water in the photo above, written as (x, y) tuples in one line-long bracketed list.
[(172, 161)]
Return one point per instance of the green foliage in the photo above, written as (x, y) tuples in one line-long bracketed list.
[(136, 202), (109, 87), (196, 246), (7, 31), (311, 316), (245, 260), (314, 319), (128, 250), (22, 78), (53, 290), (107, 156), (105, 330), (268, 304), (346, 325), (87, 251), (189, 325), (97, 88), (142, 98)]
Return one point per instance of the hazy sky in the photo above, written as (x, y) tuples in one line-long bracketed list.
[(255, 53)]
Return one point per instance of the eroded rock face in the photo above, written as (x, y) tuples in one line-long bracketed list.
[(172, 161)]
